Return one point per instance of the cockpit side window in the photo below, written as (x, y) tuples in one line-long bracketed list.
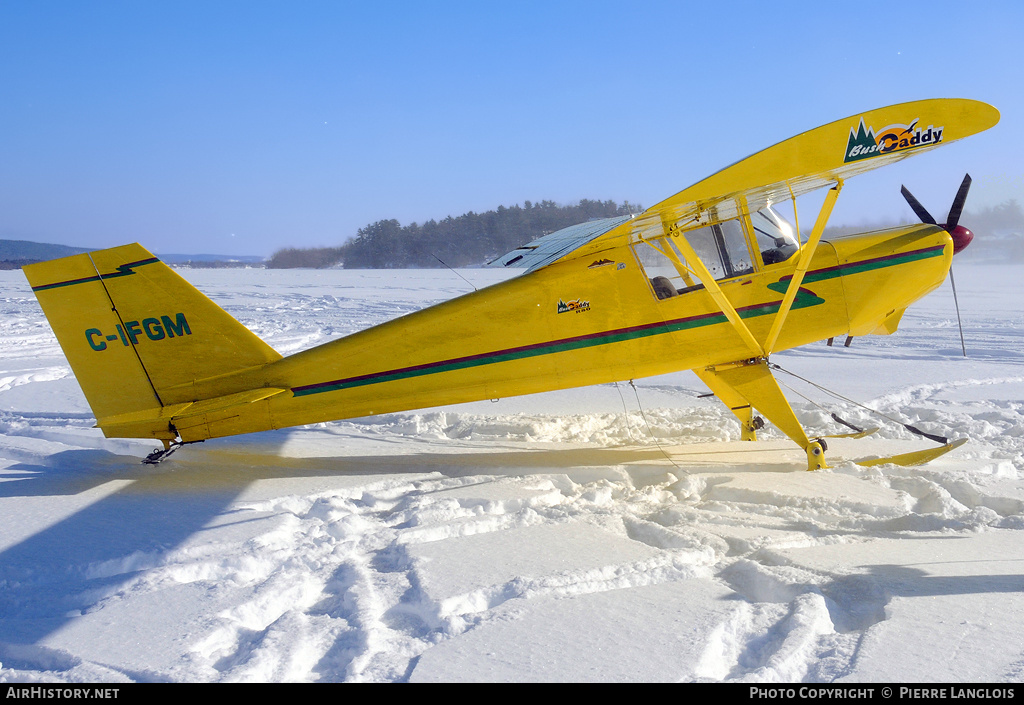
[(722, 247), (663, 266), (775, 237)]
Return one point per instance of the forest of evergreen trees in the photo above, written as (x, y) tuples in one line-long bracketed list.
[(476, 238), (463, 241)]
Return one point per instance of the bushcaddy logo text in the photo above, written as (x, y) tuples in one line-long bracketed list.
[(576, 305), (865, 143)]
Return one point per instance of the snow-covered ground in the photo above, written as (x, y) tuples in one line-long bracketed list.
[(604, 534)]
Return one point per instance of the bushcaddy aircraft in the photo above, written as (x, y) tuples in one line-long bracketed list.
[(709, 280)]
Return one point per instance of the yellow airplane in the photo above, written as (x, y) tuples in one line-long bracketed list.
[(710, 280)]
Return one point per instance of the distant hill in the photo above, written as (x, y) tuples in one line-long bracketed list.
[(35, 251), (14, 254), (200, 260)]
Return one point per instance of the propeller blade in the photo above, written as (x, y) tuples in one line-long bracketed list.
[(916, 206), (958, 204), (961, 236)]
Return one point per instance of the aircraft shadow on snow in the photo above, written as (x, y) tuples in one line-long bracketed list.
[(47, 576)]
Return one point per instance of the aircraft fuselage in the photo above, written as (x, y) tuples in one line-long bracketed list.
[(577, 322)]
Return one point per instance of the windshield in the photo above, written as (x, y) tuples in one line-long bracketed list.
[(775, 236)]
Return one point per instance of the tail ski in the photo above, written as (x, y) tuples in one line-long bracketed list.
[(138, 336)]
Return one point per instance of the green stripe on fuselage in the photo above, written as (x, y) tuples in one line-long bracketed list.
[(869, 265), (804, 299)]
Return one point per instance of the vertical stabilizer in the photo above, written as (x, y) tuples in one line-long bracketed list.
[(136, 334)]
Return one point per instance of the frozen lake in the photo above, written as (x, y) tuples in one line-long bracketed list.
[(602, 534)]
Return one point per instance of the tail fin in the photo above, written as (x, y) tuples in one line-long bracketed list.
[(137, 335)]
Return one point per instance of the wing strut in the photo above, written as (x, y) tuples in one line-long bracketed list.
[(747, 384), (806, 253), (712, 288)]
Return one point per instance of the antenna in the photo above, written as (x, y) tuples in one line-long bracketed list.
[(453, 271)]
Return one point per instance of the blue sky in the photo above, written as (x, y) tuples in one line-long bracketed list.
[(243, 127)]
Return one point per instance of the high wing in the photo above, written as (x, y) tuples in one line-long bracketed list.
[(823, 157), (815, 159)]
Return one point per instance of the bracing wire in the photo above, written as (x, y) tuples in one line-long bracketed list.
[(649, 430), (938, 439), (625, 411), (835, 417)]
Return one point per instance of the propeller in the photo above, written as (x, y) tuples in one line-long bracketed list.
[(962, 237)]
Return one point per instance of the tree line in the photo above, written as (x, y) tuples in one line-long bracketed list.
[(464, 241), (473, 239)]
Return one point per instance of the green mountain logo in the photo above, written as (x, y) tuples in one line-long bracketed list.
[(862, 144)]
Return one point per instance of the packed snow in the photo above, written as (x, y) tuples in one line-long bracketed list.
[(614, 533)]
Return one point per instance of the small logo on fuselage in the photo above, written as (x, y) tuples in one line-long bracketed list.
[(155, 329), (576, 306)]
